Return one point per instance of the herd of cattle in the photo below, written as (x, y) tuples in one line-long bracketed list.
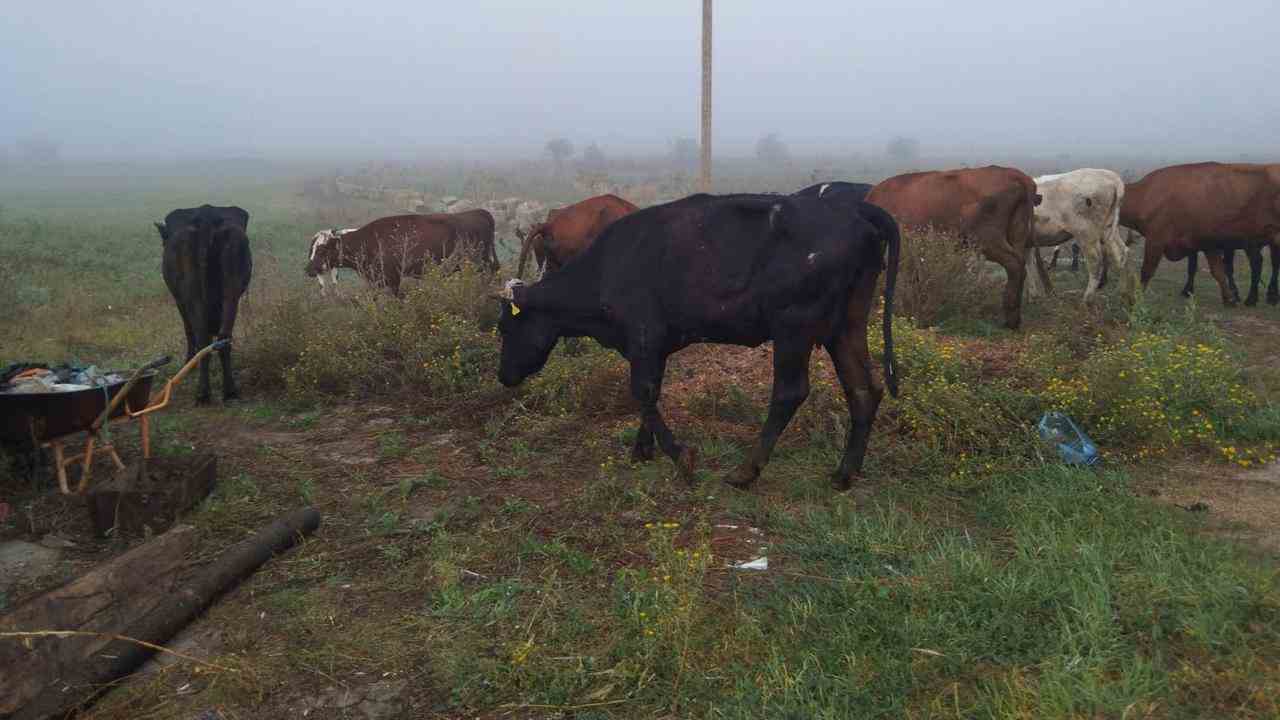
[(799, 270)]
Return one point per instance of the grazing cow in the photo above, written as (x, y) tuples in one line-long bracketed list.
[(207, 265), (734, 269), (991, 207), (1082, 206), (570, 230), (1206, 207), (321, 238), (390, 248), (851, 191)]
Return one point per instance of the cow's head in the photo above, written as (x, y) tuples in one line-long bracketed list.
[(324, 256), (528, 336)]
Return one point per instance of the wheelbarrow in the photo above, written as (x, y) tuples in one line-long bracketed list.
[(52, 420)]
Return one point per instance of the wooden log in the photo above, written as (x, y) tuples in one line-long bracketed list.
[(108, 597), (78, 685)]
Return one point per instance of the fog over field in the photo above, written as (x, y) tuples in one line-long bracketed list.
[(143, 78)]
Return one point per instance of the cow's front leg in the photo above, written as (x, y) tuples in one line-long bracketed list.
[(646, 387)]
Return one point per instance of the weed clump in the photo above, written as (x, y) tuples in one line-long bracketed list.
[(939, 277), (438, 339), (1152, 390)]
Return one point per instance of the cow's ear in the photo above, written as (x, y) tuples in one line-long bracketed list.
[(164, 233)]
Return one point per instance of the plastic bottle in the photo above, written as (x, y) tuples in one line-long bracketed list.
[(1072, 444)]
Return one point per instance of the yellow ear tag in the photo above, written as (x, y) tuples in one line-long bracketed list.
[(515, 309)]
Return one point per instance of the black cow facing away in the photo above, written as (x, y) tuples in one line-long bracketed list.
[(207, 266), (182, 217), (739, 270)]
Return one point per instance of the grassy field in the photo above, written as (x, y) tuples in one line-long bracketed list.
[(493, 553)]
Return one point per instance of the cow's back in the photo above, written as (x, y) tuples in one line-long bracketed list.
[(954, 200), (1203, 200)]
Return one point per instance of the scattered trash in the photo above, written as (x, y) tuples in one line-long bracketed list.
[(56, 542), (25, 378), (727, 527), (760, 563), (1074, 447)]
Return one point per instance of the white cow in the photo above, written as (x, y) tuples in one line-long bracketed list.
[(319, 240), (1083, 206)]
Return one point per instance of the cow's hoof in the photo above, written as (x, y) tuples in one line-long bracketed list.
[(1251, 301), (841, 482), (687, 465), (204, 400), (1229, 302), (743, 477), (1187, 293), (641, 453), (1273, 299)]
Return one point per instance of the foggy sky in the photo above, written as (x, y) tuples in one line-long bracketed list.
[(143, 76)]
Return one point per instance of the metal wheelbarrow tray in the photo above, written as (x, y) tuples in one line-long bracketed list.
[(28, 420)]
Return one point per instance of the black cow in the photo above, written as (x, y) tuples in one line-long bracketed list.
[(837, 190), (207, 265), (182, 217), (739, 270)]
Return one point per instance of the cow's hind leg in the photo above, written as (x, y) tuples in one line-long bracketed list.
[(790, 388), (1216, 266), (1075, 257), (862, 391), (1254, 253), (642, 450), (1094, 262), (1273, 287), (646, 387), (1016, 270), (1193, 264)]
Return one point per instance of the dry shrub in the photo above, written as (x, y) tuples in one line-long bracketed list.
[(940, 277), (436, 340)]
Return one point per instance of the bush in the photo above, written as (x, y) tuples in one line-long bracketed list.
[(438, 339), (978, 424), (940, 277), (1151, 390)]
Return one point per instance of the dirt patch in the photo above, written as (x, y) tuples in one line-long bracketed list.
[(1243, 505)]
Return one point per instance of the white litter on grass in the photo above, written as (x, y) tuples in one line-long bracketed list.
[(760, 563), (726, 527)]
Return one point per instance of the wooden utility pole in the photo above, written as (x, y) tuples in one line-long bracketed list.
[(704, 179)]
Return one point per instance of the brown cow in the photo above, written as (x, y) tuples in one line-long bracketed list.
[(992, 207), (1204, 207), (390, 248), (570, 230)]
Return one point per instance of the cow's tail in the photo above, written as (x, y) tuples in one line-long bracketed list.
[(1114, 242), (891, 236), (890, 282), (525, 247)]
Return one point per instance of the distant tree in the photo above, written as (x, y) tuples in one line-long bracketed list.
[(771, 149), (593, 159), (560, 150), (38, 149), (683, 152), (903, 149)]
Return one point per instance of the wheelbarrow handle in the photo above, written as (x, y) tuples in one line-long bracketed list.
[(123, 392)]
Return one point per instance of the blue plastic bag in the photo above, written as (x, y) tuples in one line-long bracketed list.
[(1073, 445)]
